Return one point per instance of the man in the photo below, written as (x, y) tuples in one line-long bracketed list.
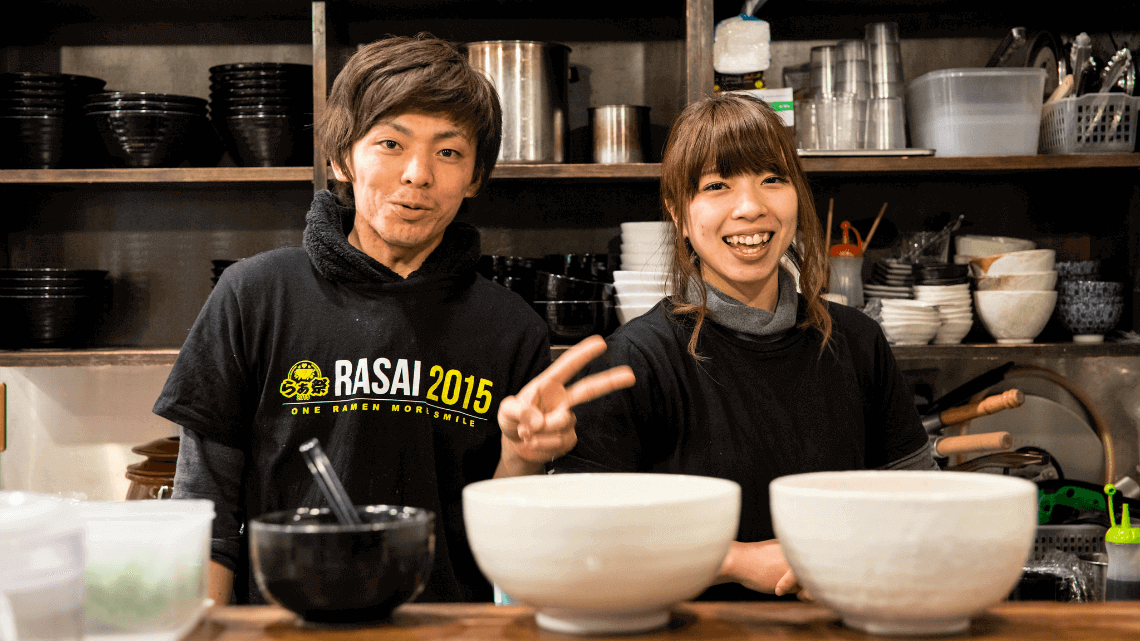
[(376, 336)]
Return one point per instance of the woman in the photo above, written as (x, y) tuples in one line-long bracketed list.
[(738, 375)]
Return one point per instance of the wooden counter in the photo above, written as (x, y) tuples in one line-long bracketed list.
[(784, 621)]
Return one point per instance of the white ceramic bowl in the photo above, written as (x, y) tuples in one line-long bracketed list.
[(1033, 260), (1025, 282), (911, 332), (953, 331), (634, 287), (626, 276), (642, 245), (1014, 317), (596, 553), (625, 298), (645, 232), (974, 245), (905, 552), (626, 313)]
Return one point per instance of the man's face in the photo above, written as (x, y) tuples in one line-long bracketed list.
[(410, 173)]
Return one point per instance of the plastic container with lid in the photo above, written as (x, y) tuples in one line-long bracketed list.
[(147, 566), (988, 111), (1123, 545), (42, 559)]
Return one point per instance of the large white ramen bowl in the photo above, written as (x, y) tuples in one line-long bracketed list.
[(601, 553), (905, 552)]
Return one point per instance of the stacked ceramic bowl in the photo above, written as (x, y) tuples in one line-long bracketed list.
[(947, 287), (967, 247), (1086, 305), (890, 279), (1014, 295), (646, 256), (44, 307), (636, 292), (646, 246), (910, 322), (41, 120), (144, 129), (263, 112)]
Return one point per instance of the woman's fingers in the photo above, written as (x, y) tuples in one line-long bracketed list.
[(600, 384), (566, 366)]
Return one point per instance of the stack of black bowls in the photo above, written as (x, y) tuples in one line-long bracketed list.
[(143, 129), (219, 266), (51, 308), (41, 125), (263, 112)]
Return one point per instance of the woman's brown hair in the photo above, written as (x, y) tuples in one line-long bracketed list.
[(733, 134), (410, 74)]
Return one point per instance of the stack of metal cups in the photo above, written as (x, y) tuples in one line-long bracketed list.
[(886, 109)]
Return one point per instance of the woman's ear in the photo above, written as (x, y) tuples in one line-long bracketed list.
[(683, 232)]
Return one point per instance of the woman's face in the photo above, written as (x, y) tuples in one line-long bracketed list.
[(740, 227)]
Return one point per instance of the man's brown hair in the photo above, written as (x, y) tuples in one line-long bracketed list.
[(410, 74)]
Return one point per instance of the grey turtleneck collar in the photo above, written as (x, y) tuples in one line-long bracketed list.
[(728, 312)]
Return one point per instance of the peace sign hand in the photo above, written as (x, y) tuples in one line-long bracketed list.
[(538, 423)]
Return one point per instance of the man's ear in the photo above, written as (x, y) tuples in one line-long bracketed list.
[(472, 189), (340, 173)]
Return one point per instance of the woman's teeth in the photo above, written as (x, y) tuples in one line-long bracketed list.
[(753, 239)]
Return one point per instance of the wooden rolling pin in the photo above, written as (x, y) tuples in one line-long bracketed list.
[(934, 423), (973, 443)]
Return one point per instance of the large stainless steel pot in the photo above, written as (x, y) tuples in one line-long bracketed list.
[(532, 79)]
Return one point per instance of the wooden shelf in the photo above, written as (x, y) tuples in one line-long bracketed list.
[(625, 171), (87, 357), (177, 175)]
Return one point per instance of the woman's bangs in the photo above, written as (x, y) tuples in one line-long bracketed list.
[(738, 153)]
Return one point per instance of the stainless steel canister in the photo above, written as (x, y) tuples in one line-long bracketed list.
[(532, 79), (620, 133)]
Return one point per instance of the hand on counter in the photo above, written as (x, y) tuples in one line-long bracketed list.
[(538, 423), (760, 566)]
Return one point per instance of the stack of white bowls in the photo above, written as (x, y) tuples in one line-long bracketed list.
[(646, 254), (1014, 293), (955, 310), (645, 246), (910, 322), (636, 292)]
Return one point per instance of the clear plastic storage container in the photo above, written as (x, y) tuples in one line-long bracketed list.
[(41, 567), (147, 566), (977, 112)]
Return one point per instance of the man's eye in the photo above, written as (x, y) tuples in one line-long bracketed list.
[(389, 144), (449, 153)]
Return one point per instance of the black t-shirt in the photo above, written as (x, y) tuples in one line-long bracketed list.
[(750, 412), (400, 381)]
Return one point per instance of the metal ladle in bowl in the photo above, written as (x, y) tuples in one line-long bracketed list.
[(330, 485)]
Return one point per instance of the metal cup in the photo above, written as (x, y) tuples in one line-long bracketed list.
[(620, 133)]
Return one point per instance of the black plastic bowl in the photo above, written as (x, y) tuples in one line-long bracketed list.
[(148, 138), (569, 321), (328, 573), (50, 320), (267, 141), (548, 286)]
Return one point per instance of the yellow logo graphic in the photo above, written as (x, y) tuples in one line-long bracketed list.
[(304, 382)]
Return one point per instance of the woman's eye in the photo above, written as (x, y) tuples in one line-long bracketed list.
[(714, 186), (774, 179)]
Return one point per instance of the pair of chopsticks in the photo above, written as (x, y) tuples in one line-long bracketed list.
[(867, 240)]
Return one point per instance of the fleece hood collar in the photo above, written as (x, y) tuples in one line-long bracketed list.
[(451, 264)]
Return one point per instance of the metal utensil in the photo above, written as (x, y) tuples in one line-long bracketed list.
[(330, 485), (1114, 69)]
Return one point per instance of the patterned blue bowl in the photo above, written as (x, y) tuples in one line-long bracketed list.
[(1085, 316), (1090, 289)]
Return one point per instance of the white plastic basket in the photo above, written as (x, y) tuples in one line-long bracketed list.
[(1090, 124)]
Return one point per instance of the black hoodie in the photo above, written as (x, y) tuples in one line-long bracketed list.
[(400, 379)]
